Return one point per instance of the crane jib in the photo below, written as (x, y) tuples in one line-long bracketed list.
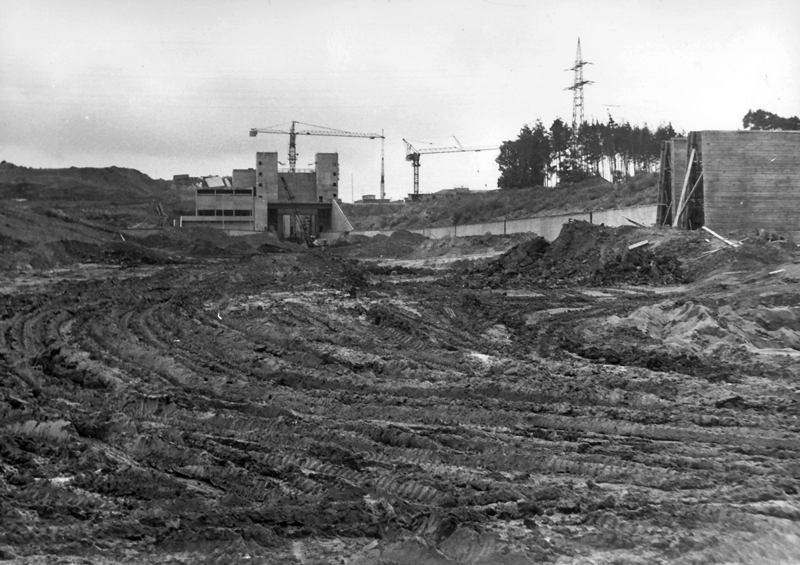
[(293, 133)]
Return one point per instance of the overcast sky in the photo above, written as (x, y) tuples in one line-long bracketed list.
[(173, 86)]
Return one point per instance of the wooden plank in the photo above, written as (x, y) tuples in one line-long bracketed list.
[(664, 191), (715, 234), (638, 244), (697, 182), (634, 222), (683, 190)]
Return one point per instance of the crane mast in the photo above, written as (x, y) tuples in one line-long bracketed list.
[(413, 154), (293, 132), (383, 183), (301, 225)]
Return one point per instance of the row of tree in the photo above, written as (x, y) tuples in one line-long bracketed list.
[(541, 155), (763, 120)]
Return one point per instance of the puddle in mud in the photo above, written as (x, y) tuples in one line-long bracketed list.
[(597, 294), (519, 293), (536, 316)]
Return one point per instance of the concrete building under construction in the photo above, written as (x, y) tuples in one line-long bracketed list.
[(731, 180), (266, 198)]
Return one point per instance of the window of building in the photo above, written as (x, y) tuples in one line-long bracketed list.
[(205, 212), (241, 213), (320, 198), (261, 185), (205, 191), (259, 164), (243, 191), (260, 174)]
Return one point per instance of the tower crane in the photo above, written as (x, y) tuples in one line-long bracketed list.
[(413, 154), (293, 132)]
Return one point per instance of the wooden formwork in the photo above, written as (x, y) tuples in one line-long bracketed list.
[(737, 180)]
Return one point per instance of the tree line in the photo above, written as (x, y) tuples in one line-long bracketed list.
[(540, 154), (761, 120)]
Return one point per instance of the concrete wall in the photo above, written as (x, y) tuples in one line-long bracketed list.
[(751, 179), (260, 211), (267, 175), (302, 185), (546, 226), (223, 199), (643, 214), (244, 178), (327, 169), (438, 233), (217, 222), (339, 222)]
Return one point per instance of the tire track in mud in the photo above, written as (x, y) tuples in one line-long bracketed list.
[(334, 419)]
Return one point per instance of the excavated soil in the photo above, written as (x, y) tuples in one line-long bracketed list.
[(572, 402)]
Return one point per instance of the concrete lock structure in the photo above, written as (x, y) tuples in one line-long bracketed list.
[(267, 198)]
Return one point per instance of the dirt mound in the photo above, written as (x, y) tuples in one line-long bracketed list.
[(750, 256), (69, 252), (473, 245), (405, 235), (399, 245), (590, 254), (211, 242), (696, 327), (205, 248)]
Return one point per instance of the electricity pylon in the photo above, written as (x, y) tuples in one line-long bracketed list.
[(577, 90)]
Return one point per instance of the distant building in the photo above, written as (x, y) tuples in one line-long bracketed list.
[(258, 200), (186, 181), (444, 193), (371, 199), (455, 191)]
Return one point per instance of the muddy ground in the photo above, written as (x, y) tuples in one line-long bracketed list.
[(573, 402)]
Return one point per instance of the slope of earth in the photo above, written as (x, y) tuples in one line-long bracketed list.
[(113, 196), (300, 408), (35, 239), (498, 205)]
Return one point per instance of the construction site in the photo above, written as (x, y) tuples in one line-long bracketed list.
[(243, 369), (604, 395)]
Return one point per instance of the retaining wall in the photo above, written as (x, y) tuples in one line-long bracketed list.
[(546, 226)]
